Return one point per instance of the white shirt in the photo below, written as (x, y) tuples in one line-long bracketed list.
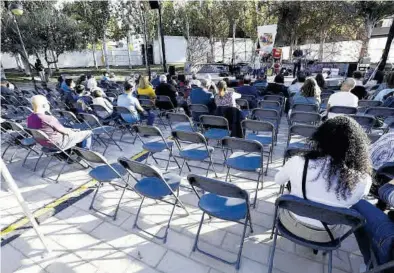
[(92, 83), (342, 98), (130, 102), (295, 88), (381, 94), (359, 82), (316, 186), (104, 103)]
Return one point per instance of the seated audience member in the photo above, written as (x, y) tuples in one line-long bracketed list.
[(376, 82), (389, 100), (309, 94), (321, 82), (155, 81), (105, 78), (174, 81), (338, 174), (382, 151), (144, 88), (91, 82), (130, 102), (247, 89), (358, 78), (67, 86), (343, 97), (5, 90), (98, 99), (71, 98), (296, 87), (278, 86), (82, 80), (226, 97), (360, 92), (201, 95), (64, 138), (261, 82), (166, 89), (389, 88)]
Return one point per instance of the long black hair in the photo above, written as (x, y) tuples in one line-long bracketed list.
[(343, 144)]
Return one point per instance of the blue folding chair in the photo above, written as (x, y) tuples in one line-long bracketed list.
[(366, 122), (344, 110), (302, 145), (244, 106), (197, 110), (103, 173), (263, 132), (180, 122), (198, 150), (326, 214), (214, 127), (297, 117), (154, 185), (269, 115), (248, 158), (157, 145), (363, 105), (269, 104), (224, 201), (303, 107)]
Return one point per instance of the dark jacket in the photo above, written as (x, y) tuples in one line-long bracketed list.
[(165, 89), (234, 117), (277, 89)]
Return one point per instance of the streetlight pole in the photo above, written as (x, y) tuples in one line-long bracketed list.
[(163, 50), (145, 41)]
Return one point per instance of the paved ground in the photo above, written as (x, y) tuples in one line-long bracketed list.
[(86, 241)]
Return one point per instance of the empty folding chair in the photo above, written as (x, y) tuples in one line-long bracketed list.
[(164, 104), (269, 115), (304, 118), (301, 145), (25, 110), (69, 119), (363, 105), (326, 214), (383, 114), (224, 201), (269, 104), (278, 98), (103, 114), (154, 185), (214, 127), (150, 106), (244, 105), (197, 148), (98, 130), (18, 138), (156, 145), (263, 132), (313, 108), (343, 110), (366, 122), (250, 98), (51, 150), (197, 110), (180, 122), (248, 157)]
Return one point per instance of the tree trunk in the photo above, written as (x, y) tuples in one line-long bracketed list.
[(321, 46), (368, 24), (386, 50), (18, 61), (94, 55), (188, 40), (26, 66), (223, 47), (54, 60), (212, 43), (128, 49), (105, 52), (233, 43)]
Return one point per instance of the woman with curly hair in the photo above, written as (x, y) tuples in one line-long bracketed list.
[(338, 173)]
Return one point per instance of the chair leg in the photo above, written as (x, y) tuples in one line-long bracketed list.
[(180, 171), (198, 232), (250, 222), (330, 262), (213, 167), (49, 161), (5, 150), (154, 159), (176, 161), (24, 160), (169, 221), (64, 165), (228, 176), (138, 212), (99, 184), (238, 262), (147, 156), (257, 189), (120, 200), (274, 222), (271, 261), (13, 155), (38, 160)]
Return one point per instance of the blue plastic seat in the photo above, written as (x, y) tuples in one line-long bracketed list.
[(244, 161), (103, 130), (152, 187), (263, 139), (196, 152), (216, 133), (28, 141), (157, 146), (105, 174), (227, 208), (298, 145), (184, 127)]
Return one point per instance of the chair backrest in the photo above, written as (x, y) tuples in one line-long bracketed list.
[(242, 144), (143, 97), (373, 137), (369, 103), (70, 116), (199, 108), (248, 97), (277, 98), (193, 137), (146, 103), (244, 104), (99, 109), (257, 125), (303, 130), (41, 138), (217, 187), (16, 127), (90, 155), (380, 111), (122, 110), (91, 120), (326, 214), (305, 107), (178, 117), (263, 114), (366, 122), (343, 110), (304, 117), (214, 121), (269, 104), (147, 130), (139, 168), (164, 100)]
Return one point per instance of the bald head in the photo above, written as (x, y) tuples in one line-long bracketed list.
[(348, 84), (40, 104)]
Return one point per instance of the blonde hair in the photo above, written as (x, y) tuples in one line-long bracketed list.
[(311, 89), (222, 86), (144, 82)]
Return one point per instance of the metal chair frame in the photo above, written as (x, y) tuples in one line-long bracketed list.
[(179, 117), (268, 115)]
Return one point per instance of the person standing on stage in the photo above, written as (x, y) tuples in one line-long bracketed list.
[(297, 54)]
